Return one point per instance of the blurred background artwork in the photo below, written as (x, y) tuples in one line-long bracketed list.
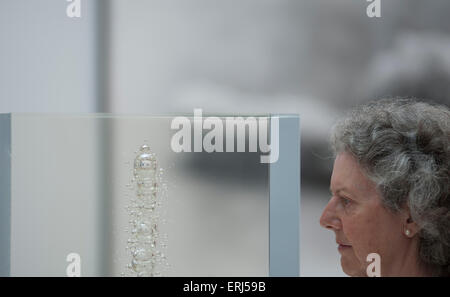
[(316, 58)]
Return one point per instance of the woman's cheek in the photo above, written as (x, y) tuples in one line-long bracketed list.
[(356, 235)]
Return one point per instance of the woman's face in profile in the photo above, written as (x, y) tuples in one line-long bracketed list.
[(361, 223)]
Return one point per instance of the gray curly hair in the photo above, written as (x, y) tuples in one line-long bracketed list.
[(403, 146)]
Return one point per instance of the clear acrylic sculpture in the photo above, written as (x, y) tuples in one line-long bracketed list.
[(128, 195)]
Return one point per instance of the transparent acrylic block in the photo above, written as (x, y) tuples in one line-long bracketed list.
[(108, 195)]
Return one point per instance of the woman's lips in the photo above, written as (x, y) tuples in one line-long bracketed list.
[(344, 247)]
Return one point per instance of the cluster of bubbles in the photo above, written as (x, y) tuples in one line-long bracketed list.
[(146, 243)]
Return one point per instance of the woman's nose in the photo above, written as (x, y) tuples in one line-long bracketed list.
[(329, 218)]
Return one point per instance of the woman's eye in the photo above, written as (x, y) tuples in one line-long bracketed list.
[(345, 201)]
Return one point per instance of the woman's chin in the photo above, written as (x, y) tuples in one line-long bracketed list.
[(351, 267)]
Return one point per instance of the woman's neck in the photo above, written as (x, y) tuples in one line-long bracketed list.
[(409, 263)]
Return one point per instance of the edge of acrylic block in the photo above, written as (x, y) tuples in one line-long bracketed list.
[(284, 188), (5, 194), (143, 115)]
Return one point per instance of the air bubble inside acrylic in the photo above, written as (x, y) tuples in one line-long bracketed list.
[(146, 243)]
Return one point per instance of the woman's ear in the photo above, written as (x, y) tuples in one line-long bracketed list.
[(411, 228)]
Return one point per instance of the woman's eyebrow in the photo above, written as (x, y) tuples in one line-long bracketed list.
[(340, 190)]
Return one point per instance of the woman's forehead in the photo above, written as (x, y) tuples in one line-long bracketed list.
[(348, 176)]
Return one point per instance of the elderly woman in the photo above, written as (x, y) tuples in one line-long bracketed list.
[(390, 189)]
